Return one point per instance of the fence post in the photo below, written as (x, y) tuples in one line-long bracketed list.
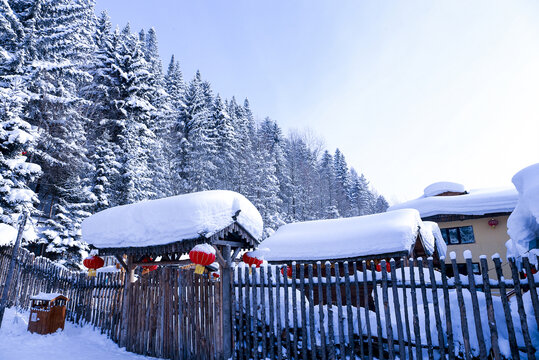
[(226, 301), (7, 285)]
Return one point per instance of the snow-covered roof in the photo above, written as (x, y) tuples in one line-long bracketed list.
[(344, 238), (172, 219), (46, 296), (431, 229), (475, 202), (443, 186), (523, 223)]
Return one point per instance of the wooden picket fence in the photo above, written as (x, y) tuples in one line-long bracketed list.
[(313, 314), (96, 301), (323, 311)]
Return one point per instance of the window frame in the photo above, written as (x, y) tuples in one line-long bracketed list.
[(447, 238)]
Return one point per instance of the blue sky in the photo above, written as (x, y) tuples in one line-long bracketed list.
[(412, 92)]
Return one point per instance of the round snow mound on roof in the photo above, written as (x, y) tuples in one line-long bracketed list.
[(442, 187), (168, 220)]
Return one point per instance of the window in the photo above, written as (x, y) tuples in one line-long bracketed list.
[(462, 269), (459, 235)]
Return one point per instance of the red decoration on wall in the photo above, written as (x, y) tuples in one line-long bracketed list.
[(493, 223)]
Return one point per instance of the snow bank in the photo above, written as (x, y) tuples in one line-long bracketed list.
[(345, 238), (75, 342), (168, 220), (476, 202), (442, 187), (523, 224)]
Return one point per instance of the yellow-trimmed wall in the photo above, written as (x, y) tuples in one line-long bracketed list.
[(488, 241)]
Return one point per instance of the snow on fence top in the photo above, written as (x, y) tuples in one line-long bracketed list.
[(475, 202), (344, 238), (172, 219), (523, 223)]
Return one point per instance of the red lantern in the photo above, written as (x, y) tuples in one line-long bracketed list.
[(492, 223), (251, 260), (379, 267), (288, 271), (93, 263), (149, 268), (202, 255)]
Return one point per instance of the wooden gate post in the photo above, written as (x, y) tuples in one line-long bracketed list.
[(129, 279), (226, 303)]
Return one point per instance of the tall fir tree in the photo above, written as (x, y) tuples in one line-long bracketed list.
[(17, 141), (58, 50)]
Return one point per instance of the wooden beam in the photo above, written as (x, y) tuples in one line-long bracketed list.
[(220, 259), (121, 261), (226, 242), (163, 263), (236, 252)]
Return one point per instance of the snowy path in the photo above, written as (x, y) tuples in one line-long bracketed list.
[(74, 343)]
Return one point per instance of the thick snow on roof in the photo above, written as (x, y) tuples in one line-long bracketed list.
[(432, 228), (168, 220), (442, 187), (476, 202), (523, 224), (344, 238), (46, 296)]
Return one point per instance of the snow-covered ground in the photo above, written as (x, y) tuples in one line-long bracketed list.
[(74, 343)]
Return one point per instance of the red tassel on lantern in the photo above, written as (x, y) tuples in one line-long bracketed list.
[(202, 256)]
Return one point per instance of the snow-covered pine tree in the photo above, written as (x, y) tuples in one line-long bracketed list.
[(106, 172), (244, 126), (301, 163), (17, 140), (381, 204), (173, 125), (58, 47), (135, 137), (228, 146), (198, 148), (327, 198), (341, 183), (266, 186)]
